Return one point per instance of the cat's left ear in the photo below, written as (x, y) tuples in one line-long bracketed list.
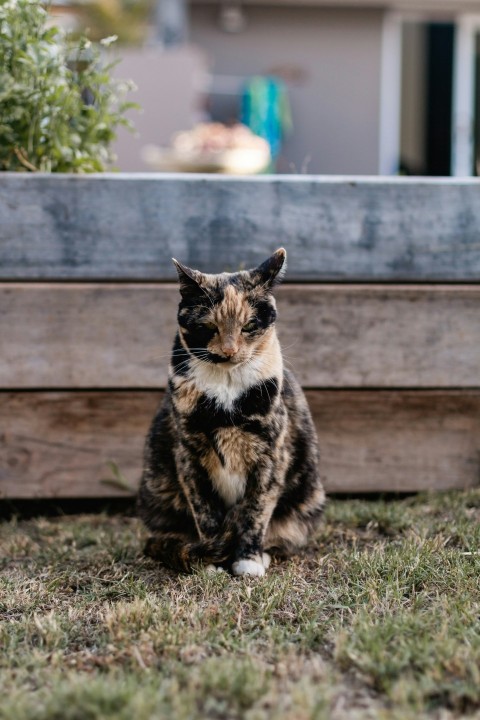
[(189, 279), (270, 272)]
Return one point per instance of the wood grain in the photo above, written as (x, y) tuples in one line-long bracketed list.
[(334, 336), (56, 444), (129, 226)]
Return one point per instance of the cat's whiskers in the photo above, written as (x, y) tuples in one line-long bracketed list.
[(179, 368), (291, 359), (190, 361), (264, 384), (178, 351), (287, 347), (289, 355), (284, 355), (291, 366), (195, 360), (266, 390)]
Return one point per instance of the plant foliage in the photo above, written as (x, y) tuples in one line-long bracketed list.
[(59, 105)]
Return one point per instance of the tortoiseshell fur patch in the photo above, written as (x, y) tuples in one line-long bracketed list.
[(231, 459)]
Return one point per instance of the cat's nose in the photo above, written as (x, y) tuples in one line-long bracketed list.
[(229, 349)]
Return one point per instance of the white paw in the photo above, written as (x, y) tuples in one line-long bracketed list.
[(248, 567), (266, 560), (213, 568)]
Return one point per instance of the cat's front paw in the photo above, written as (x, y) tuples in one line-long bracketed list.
[(248, 567)]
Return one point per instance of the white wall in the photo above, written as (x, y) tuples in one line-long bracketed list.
[(169, 93), (336, 108)]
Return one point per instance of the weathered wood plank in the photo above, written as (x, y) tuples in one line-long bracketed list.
[(119, 335), (129, 226), (60, 444)]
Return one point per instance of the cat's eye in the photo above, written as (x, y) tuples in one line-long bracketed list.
[(250, 326), (210, 325)]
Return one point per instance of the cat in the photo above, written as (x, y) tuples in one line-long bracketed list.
[(231, 460)]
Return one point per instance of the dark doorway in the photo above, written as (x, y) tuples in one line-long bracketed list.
[(426, 98), (438, 133)]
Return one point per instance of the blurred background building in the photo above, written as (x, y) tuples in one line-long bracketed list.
[(333, 86)]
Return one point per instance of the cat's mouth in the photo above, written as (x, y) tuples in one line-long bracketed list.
[(234, 361), (229, 362), (222, 359), (217, 359)]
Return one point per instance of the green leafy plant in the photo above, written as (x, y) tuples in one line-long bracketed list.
[(59, 104)]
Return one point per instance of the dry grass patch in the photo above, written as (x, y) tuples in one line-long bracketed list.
[(379, 619)]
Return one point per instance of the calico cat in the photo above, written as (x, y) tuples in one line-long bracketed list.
[(231, 459)]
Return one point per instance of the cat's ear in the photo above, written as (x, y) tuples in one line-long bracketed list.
[(189, 279), (270, 272)]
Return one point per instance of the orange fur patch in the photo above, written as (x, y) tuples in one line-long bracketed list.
[(240, 449), (186, 396)]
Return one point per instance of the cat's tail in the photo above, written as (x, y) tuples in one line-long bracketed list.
[(180, 553)]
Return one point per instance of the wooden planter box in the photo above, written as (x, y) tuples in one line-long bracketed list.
[(387, 270)]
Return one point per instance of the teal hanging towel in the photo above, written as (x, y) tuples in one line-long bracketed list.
[(266, 110)]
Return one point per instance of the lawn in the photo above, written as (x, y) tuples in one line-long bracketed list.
[(380, 618)]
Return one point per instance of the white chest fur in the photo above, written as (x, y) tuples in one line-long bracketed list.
[(224, 385), (230, 485)]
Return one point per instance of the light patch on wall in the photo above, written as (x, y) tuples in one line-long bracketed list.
[(232, 17)]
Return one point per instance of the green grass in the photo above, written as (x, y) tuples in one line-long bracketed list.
[(380, 618)]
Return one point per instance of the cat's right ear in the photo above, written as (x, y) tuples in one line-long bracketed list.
[(270, 272), (189, 279)]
